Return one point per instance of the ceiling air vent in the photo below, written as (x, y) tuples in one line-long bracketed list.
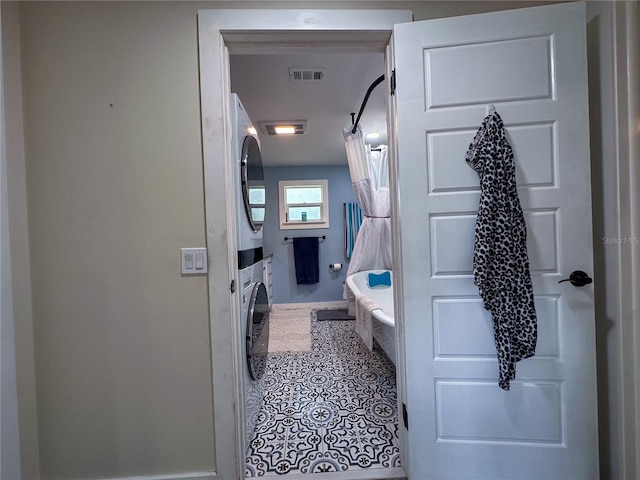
[(306, 74), (287, 127)]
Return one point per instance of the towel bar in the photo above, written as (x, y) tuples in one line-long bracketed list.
[(323, 237)]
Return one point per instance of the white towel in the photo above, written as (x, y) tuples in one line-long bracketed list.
[(364, 307), (351, 303)]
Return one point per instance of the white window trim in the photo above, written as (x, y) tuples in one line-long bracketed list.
[(284, 224)]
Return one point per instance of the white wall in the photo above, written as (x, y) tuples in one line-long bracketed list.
[(114, 188)]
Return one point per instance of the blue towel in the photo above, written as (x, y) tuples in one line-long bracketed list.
[(305, 256)]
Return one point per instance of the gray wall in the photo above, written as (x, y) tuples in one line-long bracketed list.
[(114, 188), (331, 250)]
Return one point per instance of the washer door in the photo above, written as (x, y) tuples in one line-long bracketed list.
[(257, 341), (252, 178)]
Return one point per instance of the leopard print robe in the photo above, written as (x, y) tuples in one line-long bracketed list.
[(500, 260)]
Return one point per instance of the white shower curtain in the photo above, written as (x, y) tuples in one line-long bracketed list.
[(370, 178)]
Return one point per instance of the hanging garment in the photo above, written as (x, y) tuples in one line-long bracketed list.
[(500, 260)]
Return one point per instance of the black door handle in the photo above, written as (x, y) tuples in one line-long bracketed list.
[(578, 278)]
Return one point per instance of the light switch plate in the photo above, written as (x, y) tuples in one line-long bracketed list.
[(194, 261)]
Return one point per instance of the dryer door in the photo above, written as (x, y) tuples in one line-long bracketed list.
[(257, 331), (252, 178)]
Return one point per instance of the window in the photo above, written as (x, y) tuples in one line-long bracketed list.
[(304, 204), (256, 204)]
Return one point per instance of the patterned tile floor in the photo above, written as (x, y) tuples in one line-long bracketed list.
[(331, 409)]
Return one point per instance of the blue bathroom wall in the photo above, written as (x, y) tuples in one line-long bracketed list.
[(329, 288)]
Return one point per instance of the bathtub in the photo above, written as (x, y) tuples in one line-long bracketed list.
[(383, 323)]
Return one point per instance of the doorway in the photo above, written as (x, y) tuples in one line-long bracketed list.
[(332, 400), (351, 30)]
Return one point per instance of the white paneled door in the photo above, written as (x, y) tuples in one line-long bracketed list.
[(530, 64)]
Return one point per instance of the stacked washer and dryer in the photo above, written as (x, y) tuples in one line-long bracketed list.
[(254, 302)]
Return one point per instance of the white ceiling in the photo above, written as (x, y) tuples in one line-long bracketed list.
[(262, 83)]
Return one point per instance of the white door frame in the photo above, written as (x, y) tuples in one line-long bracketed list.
[(626, 26), (9, 428), (252, 31), (613, 29)]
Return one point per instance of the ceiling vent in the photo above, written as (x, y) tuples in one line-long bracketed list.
[(306, 74), (284, 127)]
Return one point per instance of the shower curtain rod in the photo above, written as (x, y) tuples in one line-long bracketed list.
[(376, 82)]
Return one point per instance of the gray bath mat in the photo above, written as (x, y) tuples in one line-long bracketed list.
[(333, 314)]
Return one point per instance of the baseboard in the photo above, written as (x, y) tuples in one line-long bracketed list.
[(171, 476), (291, 306), (364, 474)]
